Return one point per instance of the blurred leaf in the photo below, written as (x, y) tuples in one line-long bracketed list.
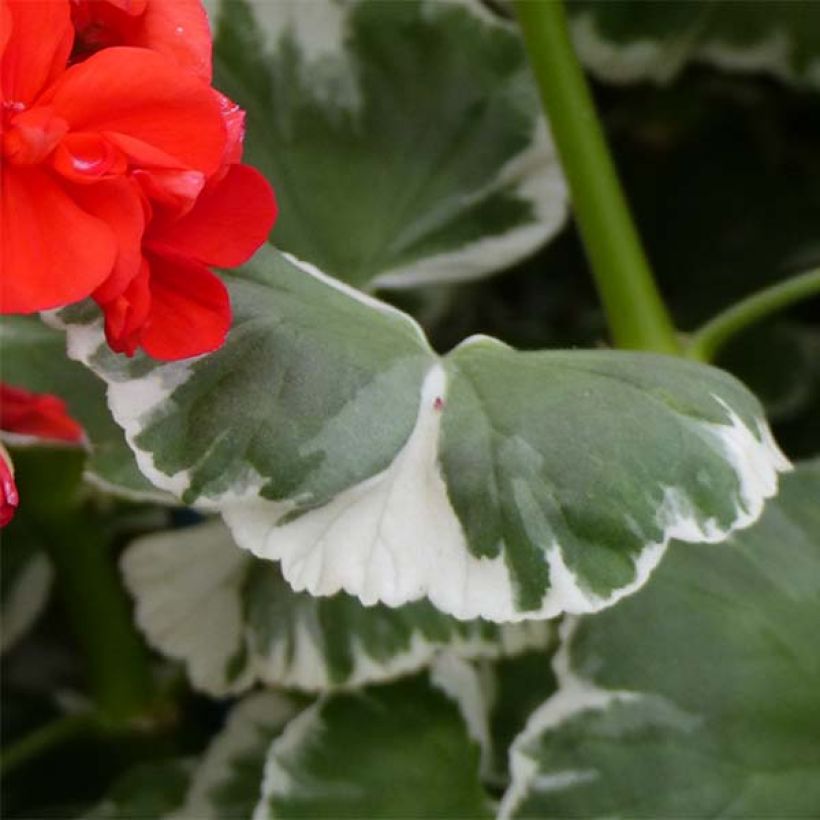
[(150, 790), (227, 781), (629, 40), (25, 582)]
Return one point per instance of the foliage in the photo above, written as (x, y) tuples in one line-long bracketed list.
[(398, 548)]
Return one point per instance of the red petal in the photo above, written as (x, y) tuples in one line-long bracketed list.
[(36, 414), (190, 310), (174, 190), (179, 30), (39, 37), (118, 203), (127, 313), (229, 222), (86, 158), (5, 29), (32, 135), (52, 252), (131, 7), (234, 119), (145, 97)]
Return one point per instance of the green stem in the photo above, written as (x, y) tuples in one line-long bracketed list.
[(44, 739), (635, 311), (117, 661), (705, 342)]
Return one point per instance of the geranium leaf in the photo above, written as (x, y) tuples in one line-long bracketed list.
[(399, 750), (701, 694), (234, 620), (154, 790), (34, 357), (403, 139), (25, 582), (630, 40), (227, 782), (500, 484)]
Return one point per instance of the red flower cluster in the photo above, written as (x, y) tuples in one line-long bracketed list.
[(39, 415), (121, 174)]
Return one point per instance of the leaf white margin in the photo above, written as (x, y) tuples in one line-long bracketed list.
[(188, 590), (573, 695), (253, 717)]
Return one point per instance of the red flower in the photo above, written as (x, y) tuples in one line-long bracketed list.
[(37, 414), (104, 160), (9, 498), (176, 307), (29, 414)]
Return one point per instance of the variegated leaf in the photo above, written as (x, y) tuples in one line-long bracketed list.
[(630, 40), (404, 140), (699, 696), (234, 620), (394, 751), (499, 484), (227, 782)]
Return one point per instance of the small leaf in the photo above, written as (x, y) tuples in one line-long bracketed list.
[(149, 790), (400, 750), (234, 620), (34, 357), (700, 695), (25, 582), (499, 484), (227, 782), (631, 41), (403, 139)]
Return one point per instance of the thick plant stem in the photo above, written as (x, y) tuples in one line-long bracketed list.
[(705, 343), (44, 739), (635, 311), (117, 661)]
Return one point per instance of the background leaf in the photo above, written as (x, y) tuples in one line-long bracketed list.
[(699, 695), (628, 40), (234, 620), (154, 790), (227, 781), (400, 750), (403, 139), (25, 582)]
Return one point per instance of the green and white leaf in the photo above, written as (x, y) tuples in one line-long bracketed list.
[(233, 620), (404, 140), (227, 782), (499, 484), (631, 40), (25, 583), (34, 358), (394, 751), (699, 696)]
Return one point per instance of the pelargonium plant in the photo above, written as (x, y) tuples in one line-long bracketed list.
[(357, 500)]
